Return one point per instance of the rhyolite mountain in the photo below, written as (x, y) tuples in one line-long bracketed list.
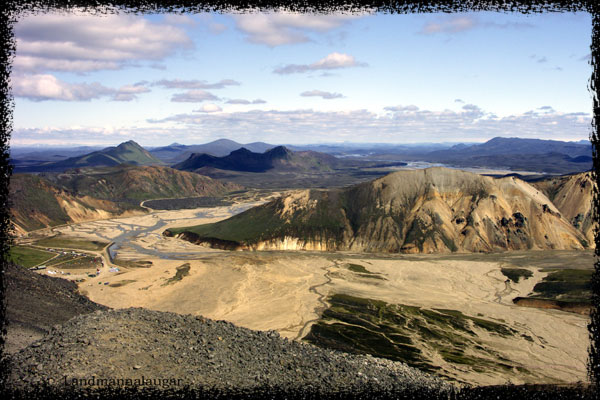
[(125, 153), (428, 211), (244, 160), (573, 196), (84, 194)]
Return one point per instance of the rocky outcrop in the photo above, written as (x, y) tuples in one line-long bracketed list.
[(573, 196), (434, 210)]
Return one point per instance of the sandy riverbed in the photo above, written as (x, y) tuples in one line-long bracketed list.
[(284, 291)]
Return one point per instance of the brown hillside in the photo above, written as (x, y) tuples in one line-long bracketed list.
[(573, 196), (429, 211)]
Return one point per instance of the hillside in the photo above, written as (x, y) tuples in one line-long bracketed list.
[(134, 184), (573, 196), (279, 158), (126, 153), (428, 211), (100, 193), (36, 203), (187, 350), (35, 303)]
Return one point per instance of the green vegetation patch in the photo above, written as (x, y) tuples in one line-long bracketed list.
[(64, 242), (28, 256), (266, 222), (515, 274), (73, 261), (181, 271), (363, 272), (571, 285), (407, 333)]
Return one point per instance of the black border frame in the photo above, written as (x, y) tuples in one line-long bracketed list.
[(10, 10)]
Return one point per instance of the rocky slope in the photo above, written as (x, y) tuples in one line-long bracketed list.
[(573, 196), (131, 343), (36, 203), (431, 210), (35, 303)]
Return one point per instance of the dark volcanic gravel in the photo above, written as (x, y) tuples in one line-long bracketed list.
[(35, 303), (202, 353)]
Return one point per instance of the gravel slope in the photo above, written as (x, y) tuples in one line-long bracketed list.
[(202, 353)]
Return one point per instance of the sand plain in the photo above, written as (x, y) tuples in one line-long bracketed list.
[(287, 291)]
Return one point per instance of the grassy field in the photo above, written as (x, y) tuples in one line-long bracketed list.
[(70, 261), (571, 285), (407, 333), (27, 256), (64, 242)]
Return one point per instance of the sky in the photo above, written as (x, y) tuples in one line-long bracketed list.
[(288, 78)]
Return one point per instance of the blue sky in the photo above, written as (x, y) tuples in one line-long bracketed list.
[(80, 79)]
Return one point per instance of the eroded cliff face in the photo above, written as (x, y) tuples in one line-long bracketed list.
[(573, 196), (436, 210)]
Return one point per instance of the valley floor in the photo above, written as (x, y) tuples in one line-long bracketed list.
[(288, 291)]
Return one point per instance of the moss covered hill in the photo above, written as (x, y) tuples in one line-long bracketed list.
[(573, 196), (134, 184), (126, 153), (37, 203), (87, 194), (278, 158), (432, 210)]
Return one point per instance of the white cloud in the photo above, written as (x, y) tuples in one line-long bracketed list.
[(280, 28), (47, 87), (195, 84), (320, 93), (331, 61), (130, 92), (193, 96), (209, 108), (42, 87), (400, 124), (83, 42), (245, 102), (460, 23)]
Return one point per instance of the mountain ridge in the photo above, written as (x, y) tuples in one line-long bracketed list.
[(419, 211)]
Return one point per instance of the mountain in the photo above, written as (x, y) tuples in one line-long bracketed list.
[(218, 148), (418, 211), (84, 194), (279, 158), (134, 184), (550, 156), (36, 203), (126, 153), (573, 196)]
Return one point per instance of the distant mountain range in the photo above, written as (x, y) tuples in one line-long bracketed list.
[(547, 156), (550, 156), (435, 210), (126, 153), (179, 152), (244, 160)]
